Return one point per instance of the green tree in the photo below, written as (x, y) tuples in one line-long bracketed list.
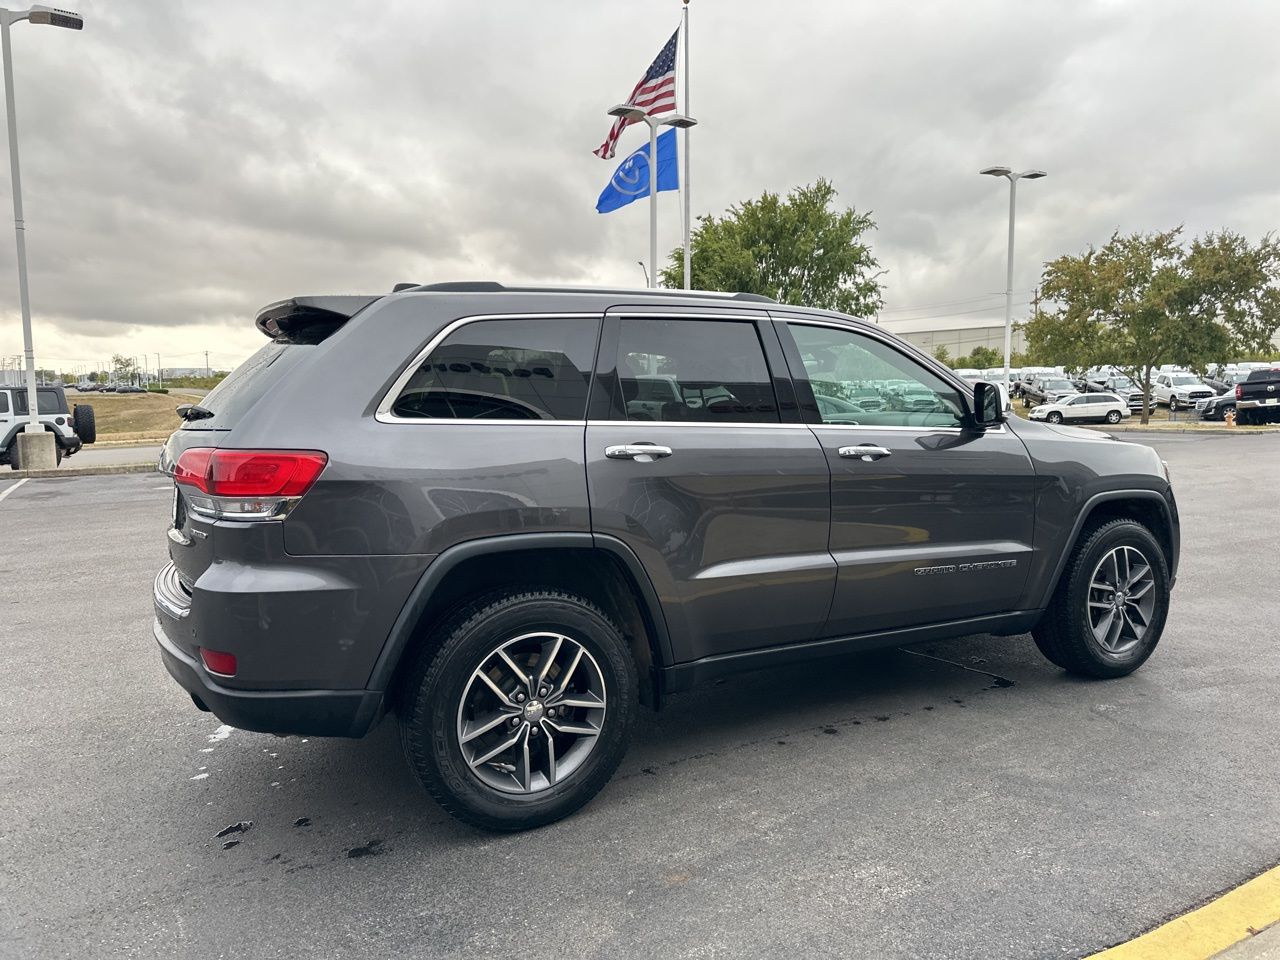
[(943, 355), (982, 358), (798, 250), (1143, 300)]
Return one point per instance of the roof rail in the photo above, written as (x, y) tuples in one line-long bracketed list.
[(492, 286)]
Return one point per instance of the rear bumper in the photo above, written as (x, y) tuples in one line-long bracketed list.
[(318, 713), (1256, 405)]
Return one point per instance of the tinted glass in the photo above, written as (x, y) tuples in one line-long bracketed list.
[(246, 384), (857, 380), (48, 401), (4, 402), (1080, 401), (505, 370), (693, 370)]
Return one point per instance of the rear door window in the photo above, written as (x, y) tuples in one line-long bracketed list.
[(4, 402), (698, 371), (510, 369)]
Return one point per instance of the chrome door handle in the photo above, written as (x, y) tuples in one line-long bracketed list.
[(642, 452), (865, 451)]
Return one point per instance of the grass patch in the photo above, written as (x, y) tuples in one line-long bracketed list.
[(130, 416)]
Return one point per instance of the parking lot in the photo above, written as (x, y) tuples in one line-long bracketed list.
[(958, 799)]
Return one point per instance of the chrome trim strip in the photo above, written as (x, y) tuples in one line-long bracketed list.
[(384, 415), (164, 596), (693, 423)]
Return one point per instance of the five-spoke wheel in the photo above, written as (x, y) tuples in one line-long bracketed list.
[(1121, 600)]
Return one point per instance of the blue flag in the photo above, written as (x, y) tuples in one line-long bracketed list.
[(631, 179)]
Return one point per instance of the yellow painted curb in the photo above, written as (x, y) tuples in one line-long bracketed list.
[(1203, 933)]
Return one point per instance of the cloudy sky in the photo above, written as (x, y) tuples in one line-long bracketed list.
[(188, 162)]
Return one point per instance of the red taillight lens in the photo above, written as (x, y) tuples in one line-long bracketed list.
[(216, 661), (1238, 391), (193, 468), (250, 473)]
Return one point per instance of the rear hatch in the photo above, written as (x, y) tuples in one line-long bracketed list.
[(295, 326)]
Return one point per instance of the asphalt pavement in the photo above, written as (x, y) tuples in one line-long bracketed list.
[(96, 456), (961, 800)]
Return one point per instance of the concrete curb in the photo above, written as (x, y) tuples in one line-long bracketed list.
[(145, 442), (99, 471), (1204, 431)]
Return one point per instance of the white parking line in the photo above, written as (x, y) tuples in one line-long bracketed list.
[(5, 493)]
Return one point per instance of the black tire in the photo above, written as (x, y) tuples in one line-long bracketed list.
[(13, 455), (57, 452), (432, 694), (84, 424), (1064, 634), (1026, 402), (1113, 416), (1054, 417)]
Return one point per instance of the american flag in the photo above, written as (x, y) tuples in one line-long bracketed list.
[(655, 93)]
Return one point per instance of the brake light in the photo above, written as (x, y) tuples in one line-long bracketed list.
[(247, 484), (1239, 391), (216, 661)]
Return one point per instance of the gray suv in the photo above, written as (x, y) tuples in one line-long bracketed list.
[(512, 516)]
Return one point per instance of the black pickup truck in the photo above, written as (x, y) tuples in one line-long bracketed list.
[(1258, 397)]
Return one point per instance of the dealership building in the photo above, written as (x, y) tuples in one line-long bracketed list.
[(958, 334)]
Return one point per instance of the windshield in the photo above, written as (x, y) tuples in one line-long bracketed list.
[(1184, 380), (1058, 385)]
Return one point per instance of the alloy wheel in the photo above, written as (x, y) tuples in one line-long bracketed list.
[(1122, 600), (531, 713)]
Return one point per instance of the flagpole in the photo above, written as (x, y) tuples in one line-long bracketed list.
[(688, 277), (653, 201)]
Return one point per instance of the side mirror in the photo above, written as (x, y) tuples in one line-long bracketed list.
[(988, 407)]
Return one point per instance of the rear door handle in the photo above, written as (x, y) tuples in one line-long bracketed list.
[(865, 451), (642, 452)]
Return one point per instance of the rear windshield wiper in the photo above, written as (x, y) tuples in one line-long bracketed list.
[(193, 411)]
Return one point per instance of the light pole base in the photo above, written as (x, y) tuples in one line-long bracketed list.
[(37, 451)]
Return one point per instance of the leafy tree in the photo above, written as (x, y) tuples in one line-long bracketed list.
[(943, 355), (1144, 300), (984, 358), (797, 250), (122, 368)]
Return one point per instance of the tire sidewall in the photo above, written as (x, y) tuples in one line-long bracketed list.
[(1121, 534), (441, 765)]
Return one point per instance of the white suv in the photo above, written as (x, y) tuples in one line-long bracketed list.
[(1180, 389), (72, 428), (1102, 407)]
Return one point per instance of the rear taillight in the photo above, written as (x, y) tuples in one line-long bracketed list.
[(247, 484), (1239, 392)]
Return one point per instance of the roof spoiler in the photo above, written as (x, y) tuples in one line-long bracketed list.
[(309, 319)]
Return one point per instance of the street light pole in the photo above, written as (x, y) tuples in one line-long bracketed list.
[(1013, 179), (637, 115), (58, 18)]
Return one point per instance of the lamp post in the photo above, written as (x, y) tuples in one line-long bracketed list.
[(56, 18), (638, 115), (1013, 179)]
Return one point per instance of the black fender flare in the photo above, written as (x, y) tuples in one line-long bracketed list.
[(1083, 515), (401, 632)]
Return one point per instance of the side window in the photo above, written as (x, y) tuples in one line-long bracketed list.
[(1080, 401), (693, 370), (4, 402), (505, 370), (859, 381)]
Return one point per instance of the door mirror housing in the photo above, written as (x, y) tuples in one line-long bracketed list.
[(988, 405)]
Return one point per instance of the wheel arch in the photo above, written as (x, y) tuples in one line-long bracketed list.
[(1148, 507), (600, 568)]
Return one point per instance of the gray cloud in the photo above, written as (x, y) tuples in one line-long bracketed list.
[(186, 163)]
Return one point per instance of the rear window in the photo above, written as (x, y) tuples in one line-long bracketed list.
[(244, 387), (1263, 375)]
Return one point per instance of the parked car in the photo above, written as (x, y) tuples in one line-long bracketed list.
[(1216, 408), (1121, 385), (1258, 397), (1179, 390), (1224, 381), (438, 504), (1047, 390), (71, 427), (1099, 407)]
